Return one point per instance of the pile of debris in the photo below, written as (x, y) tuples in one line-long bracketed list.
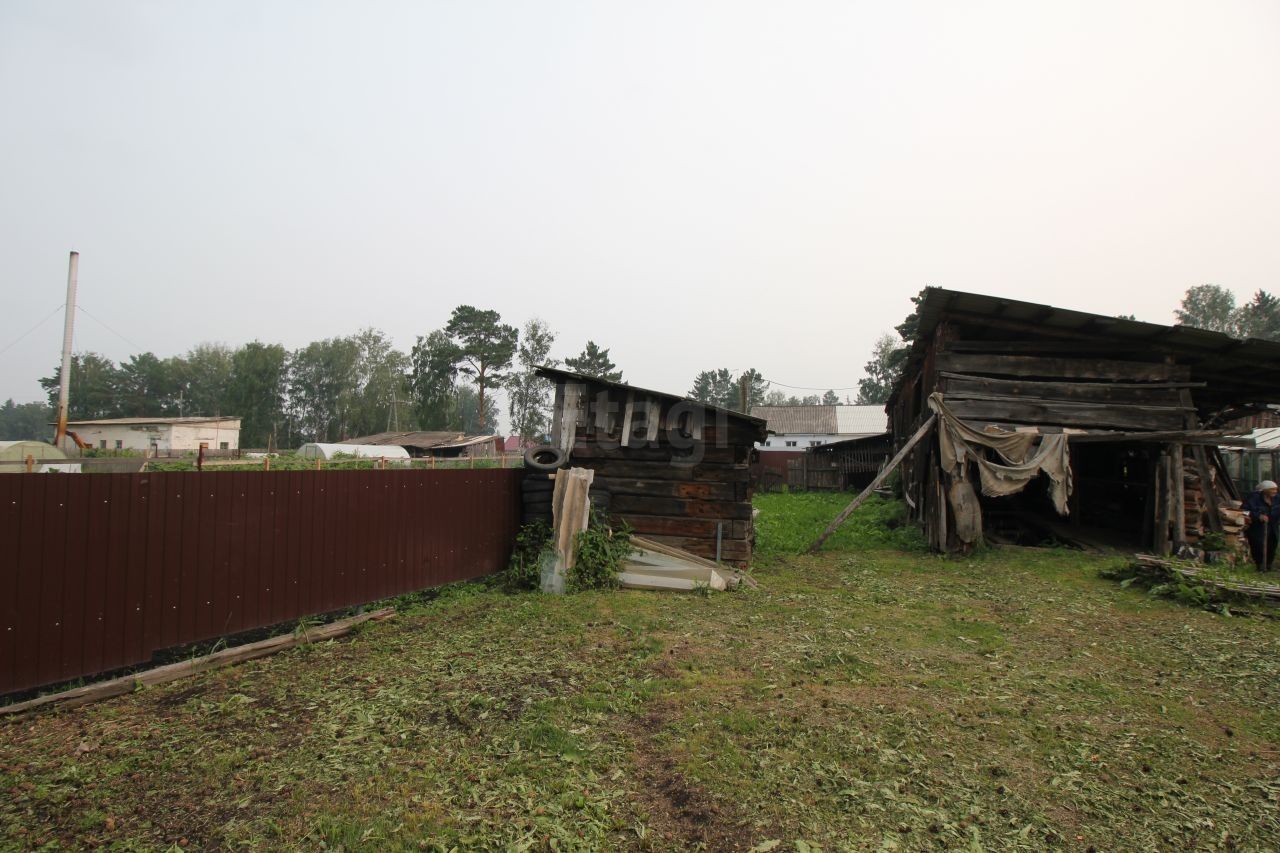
[(652, 565)]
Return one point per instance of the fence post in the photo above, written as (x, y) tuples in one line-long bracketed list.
[(266, 463), (31, 463)]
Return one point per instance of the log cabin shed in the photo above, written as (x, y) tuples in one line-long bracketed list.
[(674, 469), (1058, 424)]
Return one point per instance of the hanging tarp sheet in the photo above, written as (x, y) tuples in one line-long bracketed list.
[(1025, 455)]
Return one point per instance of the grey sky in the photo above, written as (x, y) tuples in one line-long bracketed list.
[(694, 185)]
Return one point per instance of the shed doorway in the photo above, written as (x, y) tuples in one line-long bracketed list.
[(1111, 502)]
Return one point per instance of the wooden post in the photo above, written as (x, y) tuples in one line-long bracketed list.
[(31, 463), (1161, 532), (875, 484), (266, 463), (317, 463), (1179, 509)]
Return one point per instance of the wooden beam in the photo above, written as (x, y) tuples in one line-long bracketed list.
[(1157, 393), (1161, 532), (840, 519), (174, 671), (1177, 489), (1066, 413), (1062, 368)]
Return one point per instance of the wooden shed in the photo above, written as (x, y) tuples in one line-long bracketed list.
[(672, 468), (1057, 424), (848, 464)]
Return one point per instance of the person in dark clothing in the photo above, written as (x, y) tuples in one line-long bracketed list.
[(1264, 524)]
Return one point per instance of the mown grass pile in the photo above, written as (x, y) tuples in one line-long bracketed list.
[(860, 699)]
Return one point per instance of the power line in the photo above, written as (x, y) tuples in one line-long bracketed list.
[(137, 346), (806, 388), (18, 339)]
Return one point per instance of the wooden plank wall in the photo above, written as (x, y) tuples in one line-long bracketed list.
[(1021, 379), (676, 482)]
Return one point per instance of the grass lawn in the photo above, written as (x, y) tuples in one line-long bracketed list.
[(872, 696)]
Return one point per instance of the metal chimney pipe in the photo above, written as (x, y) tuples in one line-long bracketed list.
[(68, 328)]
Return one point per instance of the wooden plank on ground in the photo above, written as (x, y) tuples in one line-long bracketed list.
[(840, 519), (174, 671)]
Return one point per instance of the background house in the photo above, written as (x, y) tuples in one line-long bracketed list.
[(157, 435), (793, 430)]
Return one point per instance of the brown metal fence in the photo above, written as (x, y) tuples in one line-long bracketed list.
[(101, 571)]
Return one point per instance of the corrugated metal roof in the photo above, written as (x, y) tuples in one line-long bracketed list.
[(1266, 438), (861, 420), (823, 420), (818, 420)]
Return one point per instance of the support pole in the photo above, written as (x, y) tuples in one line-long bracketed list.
[(840, 519), (68, 330)]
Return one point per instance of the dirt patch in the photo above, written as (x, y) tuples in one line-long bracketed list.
[(681, 814)]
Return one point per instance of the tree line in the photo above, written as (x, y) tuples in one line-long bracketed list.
[(328, 390)]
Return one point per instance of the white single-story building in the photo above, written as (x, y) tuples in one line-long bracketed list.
[(162, 435), (795, 428)]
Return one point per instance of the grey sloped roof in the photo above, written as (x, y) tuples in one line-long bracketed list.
[(824, 420)]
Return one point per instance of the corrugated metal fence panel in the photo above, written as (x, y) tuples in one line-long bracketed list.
[(101, 571)]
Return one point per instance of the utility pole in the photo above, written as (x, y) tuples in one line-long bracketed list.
[(744, 391), (68, 329)]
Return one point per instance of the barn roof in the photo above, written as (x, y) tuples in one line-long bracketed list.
[(1235, 370)]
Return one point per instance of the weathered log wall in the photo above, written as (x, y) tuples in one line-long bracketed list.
[(673, 470)]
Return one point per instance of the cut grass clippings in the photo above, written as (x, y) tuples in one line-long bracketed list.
[(862, 698)]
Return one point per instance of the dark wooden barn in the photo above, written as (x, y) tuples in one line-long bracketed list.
[(675, 470), (1110, 426)]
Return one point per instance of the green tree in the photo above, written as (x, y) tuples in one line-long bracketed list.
[(148, 386), (256, 393), (715, 388), (830, 398), (95, 384), (776, 398), (756, 390), (380, 379), (468, 418), (882, 371), (432, 380), (485, 348), (1208, 306), (594, 361), (205, 379), (322, 388), (25, 421), (1259, 317), (529, 395)]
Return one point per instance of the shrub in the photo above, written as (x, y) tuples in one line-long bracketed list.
[(601, 553), (523, 571)]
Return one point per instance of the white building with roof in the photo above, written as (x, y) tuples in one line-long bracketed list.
[(795, 428), (158, 435)]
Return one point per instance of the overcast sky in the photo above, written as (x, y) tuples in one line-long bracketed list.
[(694, 185)]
